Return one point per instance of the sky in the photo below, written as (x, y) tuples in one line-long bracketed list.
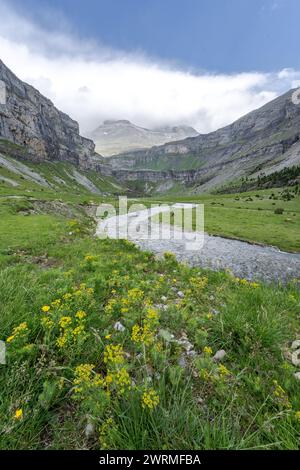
[(202, 63)]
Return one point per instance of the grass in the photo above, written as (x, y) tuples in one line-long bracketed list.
[(145, 390), (251, 217)]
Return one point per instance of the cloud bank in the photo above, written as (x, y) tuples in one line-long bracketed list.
[(92, 82)]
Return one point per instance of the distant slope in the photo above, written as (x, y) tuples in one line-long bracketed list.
[(60, 178), (113, 137)]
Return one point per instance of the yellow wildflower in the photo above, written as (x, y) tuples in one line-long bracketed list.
[(18, 414), (114, 354), (45, 308), (150, 399), (297, 415), (47, 323), (80, 315), (108, 336), (64, 322), (61, 341), (281, 395), (207, 350), (152, 314), (78, 330), (18, 332), (223, 371)]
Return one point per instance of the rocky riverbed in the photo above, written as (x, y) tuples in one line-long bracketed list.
[(245, 260)]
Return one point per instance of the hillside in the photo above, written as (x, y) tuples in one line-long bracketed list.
[(265, 140), (114, 137)]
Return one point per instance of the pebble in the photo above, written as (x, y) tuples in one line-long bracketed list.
[(297, 375)]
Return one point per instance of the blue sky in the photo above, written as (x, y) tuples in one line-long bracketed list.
[(215, 35), (202, 63)]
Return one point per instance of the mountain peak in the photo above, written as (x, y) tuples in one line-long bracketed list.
[(117, 136)]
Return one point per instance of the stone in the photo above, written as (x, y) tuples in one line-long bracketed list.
[(219, 355), (297, 375), (119, 327)]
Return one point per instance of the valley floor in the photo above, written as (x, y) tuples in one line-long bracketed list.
[(268, 217), (109, 347)]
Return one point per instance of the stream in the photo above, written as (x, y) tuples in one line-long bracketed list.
[(245, 260)]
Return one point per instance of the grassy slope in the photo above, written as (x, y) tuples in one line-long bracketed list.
[(201, 405), (236, 216)]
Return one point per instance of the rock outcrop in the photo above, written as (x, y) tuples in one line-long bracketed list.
[(31, 127)]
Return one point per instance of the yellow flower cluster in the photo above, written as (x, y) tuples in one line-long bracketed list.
[(119, 380), (198, 283), (281, 395), (135, 295), (245, 282), (104, 430), (207, 350), (47, 323), (85, 380), (114, 354), (64, 322), (145, 334), (109, 307), (19, 332), (68, 334), (150, 399), (90, 258), (223, 371)]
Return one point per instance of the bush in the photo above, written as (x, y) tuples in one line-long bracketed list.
[(279, 211)]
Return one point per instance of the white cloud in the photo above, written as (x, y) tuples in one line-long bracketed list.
[(93, 83)]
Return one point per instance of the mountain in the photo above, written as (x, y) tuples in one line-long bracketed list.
[(265, 140), (114, 137), (262, 142), (33, 128)]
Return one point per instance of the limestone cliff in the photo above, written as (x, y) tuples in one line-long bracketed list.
[(38, 130)]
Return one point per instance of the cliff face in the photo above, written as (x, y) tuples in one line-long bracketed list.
[(266, 140), (40, 131)]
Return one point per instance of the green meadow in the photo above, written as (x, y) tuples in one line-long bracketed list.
[(109, 347)]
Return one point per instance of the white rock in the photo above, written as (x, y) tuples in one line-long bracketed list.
[(118, 326), (89, 430), (219, 355), (164, 298), (297, 375), (180, 294)]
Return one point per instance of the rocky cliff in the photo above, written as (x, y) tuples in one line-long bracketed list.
[(33, 128), (265, 140)]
